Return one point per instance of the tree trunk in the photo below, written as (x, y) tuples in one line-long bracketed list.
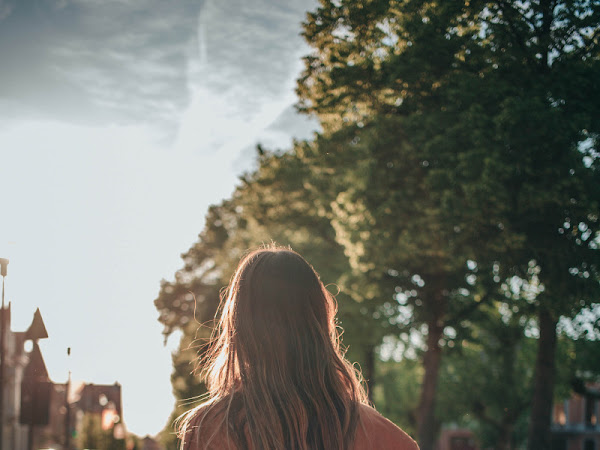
[(426, 422), (369, 372), (505, 437), (543, 391)]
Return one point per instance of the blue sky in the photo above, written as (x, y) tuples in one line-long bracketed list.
[(120, 122)]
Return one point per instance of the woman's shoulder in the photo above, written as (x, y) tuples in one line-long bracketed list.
[(376, 432), (200, 426)]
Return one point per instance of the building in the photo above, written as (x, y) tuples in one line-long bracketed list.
[(97, 405), (14, 434), (457, 439), (149, 443), (38, 413), (95, 415), (575, 424)]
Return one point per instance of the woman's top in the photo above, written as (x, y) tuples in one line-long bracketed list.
[(374, 432)]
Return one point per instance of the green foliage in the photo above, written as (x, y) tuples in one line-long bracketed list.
[(94, 437), (271, 204), (189, 304), (488, 95), (495, 364), (397, 391), (488, 90), (455, 185), (282, 204)]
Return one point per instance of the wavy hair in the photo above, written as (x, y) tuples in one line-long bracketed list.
[(275, 371)]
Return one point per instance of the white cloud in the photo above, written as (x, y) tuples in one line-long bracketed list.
[(243, 75), (97, 62), (96, 207)]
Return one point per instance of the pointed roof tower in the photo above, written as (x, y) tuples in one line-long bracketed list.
[(37, 329)]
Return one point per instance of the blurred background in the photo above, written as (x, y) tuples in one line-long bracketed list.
[(436, 162)]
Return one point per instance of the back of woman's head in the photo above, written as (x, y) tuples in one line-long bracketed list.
[(274, 371)]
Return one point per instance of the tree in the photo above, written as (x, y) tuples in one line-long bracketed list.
[(457, 135), (491, 93), (487, 379), (271, 204), (288, 201), (405, 237), (397, 391), (189, 304), (94, 436)]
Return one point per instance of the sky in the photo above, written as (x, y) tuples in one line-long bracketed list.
[(121, 121)]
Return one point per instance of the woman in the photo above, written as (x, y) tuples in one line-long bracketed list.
[(276, 376)]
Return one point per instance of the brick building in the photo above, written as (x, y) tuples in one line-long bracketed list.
[(575, 424), (35, 408)]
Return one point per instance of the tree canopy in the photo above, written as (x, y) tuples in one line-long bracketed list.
[(453, 197)]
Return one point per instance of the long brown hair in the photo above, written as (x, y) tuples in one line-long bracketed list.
[(275, 371)]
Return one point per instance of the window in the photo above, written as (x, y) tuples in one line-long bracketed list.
[(591, 417)]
